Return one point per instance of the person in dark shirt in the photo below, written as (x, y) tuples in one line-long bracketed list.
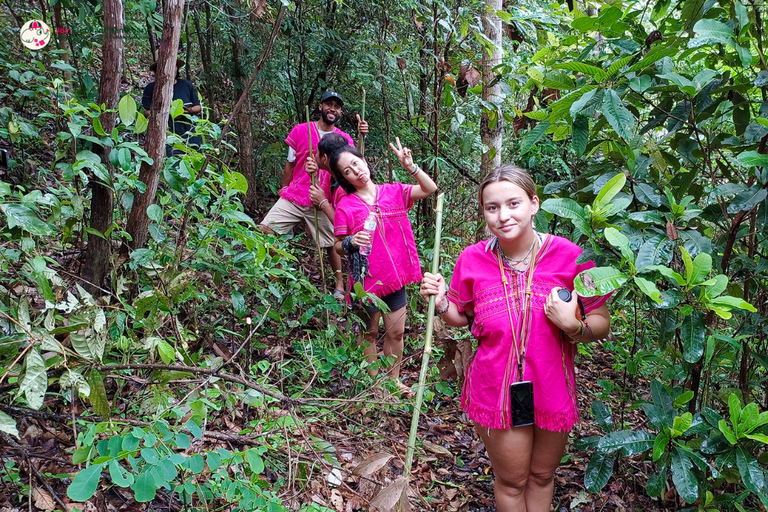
[(182, 90)]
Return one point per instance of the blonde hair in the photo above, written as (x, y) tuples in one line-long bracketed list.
[(511, 173)]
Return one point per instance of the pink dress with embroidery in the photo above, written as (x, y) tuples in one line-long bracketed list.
[(394, 260), (297, 190), (476, 283)]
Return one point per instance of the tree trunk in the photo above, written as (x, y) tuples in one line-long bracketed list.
[(138, 221), (97, 257), (491, 124), (244, 127), (62, 43)]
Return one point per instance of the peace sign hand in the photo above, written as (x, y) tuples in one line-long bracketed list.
[(404, 155)]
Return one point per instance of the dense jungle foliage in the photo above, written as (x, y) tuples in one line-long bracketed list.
[(209, 371)]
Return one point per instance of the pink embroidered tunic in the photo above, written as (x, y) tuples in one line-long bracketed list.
[(476, 283), (297, 190), (394, 260)]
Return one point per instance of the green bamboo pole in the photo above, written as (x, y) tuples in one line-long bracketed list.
[(362, 118), (427, 344), (314, 180)]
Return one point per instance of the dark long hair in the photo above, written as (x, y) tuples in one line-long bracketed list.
[(334, 163)]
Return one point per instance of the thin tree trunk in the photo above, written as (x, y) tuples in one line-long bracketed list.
[(138, 221), (244, 126), (102, 200), (62, 43), (490, 132)]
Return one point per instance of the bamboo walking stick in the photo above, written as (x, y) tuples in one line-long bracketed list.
[(314, 181), (362, 118), (427, 344)]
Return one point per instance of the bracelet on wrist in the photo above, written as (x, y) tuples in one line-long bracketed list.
[(416, 170), (580, 334), (444, 310), (321, 203)]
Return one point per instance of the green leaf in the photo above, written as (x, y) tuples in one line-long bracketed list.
[(657, 483), (693, 333), (711, 32), (648, 288), (144, 488), (684, 479), (727, 432), (629, 441), (120, 475), (753, 158), (599, 471), (667, 272), (177, 108), (127, 109), (569, 209), (533, 137), (166, 351), (761, 438), (141, 123), (751, 474), (683, 399), (734, 408), (97, 127), (602, 415), (599, 281), (238, 304), (155, 213), (8, 425), (702, 265), (748, 418), (748, 199), (741, 14), (580, 135), (35, 382), (682, 423), (609, 191), (655, 250), (83, 486), (729, 302), (660, 445), (621, 120), (584, 69), (255, 461), (26, 219)]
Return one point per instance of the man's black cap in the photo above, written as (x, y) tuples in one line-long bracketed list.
[(331, 94)]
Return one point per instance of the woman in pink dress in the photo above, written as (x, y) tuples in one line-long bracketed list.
[(506, 290), (393, 261)]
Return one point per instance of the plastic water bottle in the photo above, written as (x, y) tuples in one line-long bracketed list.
[(370, 228)]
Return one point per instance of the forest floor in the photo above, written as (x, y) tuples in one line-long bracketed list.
[(320, 461)]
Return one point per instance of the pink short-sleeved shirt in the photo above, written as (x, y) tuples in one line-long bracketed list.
[(394, 260), (476, 284), (297, 190)]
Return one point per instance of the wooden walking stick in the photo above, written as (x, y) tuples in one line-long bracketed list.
[(314, 181)]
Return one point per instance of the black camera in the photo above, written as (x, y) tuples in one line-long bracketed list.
[(564, 294)]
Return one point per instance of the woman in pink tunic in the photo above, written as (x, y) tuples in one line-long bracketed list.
[(506, 290), (393, 261)]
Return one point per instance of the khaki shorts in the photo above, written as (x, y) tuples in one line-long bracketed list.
[(284, 215)]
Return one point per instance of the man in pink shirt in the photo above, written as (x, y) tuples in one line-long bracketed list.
[(295, 205)]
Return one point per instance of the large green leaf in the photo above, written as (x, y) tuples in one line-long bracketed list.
[(534, 136), (25, 218), (629, 441), (748, 199), (35, 382), (8, 425), (701, 267), (144, 487), (648, 288), (711, 32), (693, 332), (683, 477), (609, 190), (752, 158), (621, 120), (127, 109), (580, 134), (569, 209), (83, 486), (602, 415), (656, 250), (584, 69), (667, 272), (599, 281), (751, 473), (599, 471), (619, 240)]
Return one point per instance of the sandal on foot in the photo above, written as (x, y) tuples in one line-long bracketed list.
[(339, 294)]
